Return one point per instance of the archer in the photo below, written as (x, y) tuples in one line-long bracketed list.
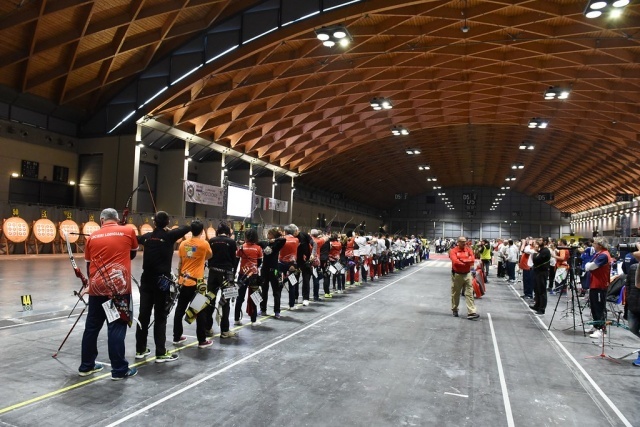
[(109, 292)]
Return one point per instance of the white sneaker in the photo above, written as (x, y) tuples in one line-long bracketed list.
[(597, 334), (295, 307), (305, 302), (228, 334), (237, 322), (256, 323), (592, 330)]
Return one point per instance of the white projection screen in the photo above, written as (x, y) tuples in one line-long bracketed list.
[(239, 200)]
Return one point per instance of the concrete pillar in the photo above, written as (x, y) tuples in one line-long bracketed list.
[(283, 191), (171, 171), (264, 188)]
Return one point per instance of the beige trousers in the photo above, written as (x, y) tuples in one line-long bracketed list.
[(458, 283)]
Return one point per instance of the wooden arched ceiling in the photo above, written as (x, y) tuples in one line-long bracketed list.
[(82, 52), (465, 97)]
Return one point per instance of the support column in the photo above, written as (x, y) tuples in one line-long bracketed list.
[(185, 174), (264, 188), (171, 170), (136, 175), (284, 191)]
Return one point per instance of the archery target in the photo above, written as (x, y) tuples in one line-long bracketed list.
[(70, 227), (89, 227), (15, 229), (44, 230)]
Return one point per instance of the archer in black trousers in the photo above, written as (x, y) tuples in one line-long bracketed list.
[(540, 269)]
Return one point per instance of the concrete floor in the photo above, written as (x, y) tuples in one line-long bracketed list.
[(384, 354)]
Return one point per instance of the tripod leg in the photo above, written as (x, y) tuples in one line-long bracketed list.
[(629, 354), (71, 330), (556, 307), (577, 298)]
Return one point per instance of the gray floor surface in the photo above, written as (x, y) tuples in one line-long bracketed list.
[(383, 354)]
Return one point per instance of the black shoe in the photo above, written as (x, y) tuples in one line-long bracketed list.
[(473, 316), (539, 312), (132, 372), (533, 307), (455, 313)]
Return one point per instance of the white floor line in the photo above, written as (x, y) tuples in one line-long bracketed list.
[(51, 319), (35, 322), (456, 394), (503, 382), (597, 388), (252, 355)]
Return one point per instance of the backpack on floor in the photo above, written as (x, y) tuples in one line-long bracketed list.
[(477, 282)]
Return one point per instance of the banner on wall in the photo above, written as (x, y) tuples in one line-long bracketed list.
[(195, 192), (271, 204)]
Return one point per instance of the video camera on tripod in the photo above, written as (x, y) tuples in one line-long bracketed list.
[(629, 247), (569, 284), (573, 254)]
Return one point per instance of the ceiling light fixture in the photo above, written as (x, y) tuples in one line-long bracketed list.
[(556, 92), (596, 8), (424, 167), (399, 130), (381, 103), (412, 151), (526, 146), (538, 123), (432, 179), (465, 27), (517, 166), (510, 178), (330, 36)]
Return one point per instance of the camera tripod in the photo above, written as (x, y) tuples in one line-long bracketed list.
[(569, 284)]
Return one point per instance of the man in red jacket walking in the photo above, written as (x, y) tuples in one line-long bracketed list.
[(461, 263)]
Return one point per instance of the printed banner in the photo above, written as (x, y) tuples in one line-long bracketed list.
[(195, 192), (271, 204), (280, 205)]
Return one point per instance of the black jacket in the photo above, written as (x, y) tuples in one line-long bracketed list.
[(541, 260), (271, 261), (223, 250), (324, 251), (632, 293), (158, 250), (304, 248)]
